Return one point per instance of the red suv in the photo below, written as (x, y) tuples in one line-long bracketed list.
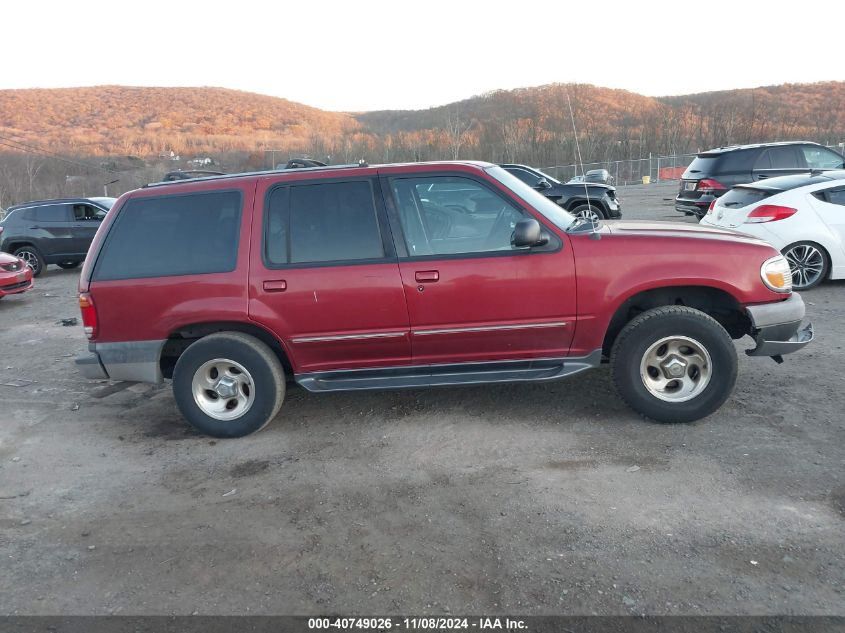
[(405, 276)]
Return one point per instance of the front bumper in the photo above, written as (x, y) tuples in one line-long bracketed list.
[(777, 329), (12, 284)]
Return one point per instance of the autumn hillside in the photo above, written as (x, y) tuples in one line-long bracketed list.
[(116, 120), (532, 125)]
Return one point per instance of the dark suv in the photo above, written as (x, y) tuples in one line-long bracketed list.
[(52, 231), (715, 171), (589, 200)]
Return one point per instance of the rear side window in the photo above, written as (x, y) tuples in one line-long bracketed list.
[(741, 197), (323, 222), (52, 213), (187, 234), (779, 158)]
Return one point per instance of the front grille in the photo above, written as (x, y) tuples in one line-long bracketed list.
[(17, 286), (11, 267)]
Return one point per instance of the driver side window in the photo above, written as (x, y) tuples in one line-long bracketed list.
[(445, 215)]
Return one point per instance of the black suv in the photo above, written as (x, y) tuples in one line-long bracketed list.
[(712, 173), (52, 231), (585, 199)]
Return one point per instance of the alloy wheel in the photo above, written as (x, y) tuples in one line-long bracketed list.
[(806, 263)]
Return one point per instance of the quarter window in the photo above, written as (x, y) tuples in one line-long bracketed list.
[(453, 215), (833, 196), (324, 222), (173, 235)]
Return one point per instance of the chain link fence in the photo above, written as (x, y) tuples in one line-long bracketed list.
[(634, 170)]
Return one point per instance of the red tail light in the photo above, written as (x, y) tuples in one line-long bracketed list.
[(710, 208), (708, 184), (89, 314), (769, 213)]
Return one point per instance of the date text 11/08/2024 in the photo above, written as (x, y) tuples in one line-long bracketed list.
[(423, 623)]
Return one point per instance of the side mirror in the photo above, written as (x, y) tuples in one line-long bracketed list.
[(542, 185), (528, 233)]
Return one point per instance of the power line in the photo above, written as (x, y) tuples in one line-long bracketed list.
[(32, 149)]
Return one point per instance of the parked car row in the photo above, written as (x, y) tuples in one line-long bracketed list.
[(712, 173)]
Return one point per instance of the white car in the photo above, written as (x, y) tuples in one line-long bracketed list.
[(802, 216)]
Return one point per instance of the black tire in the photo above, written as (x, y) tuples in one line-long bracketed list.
[(825, 262), (649, 328), (267, 385), (68, 265), (33, 257), (582, 208)]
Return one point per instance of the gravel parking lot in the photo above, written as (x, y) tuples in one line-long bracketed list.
[(530, 499)]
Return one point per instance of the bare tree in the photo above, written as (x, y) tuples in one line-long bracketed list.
[(456, 131), (32, 166)]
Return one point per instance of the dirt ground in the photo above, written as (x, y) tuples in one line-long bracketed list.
[(530, 499)]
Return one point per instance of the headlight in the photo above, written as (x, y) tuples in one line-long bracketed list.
[(776, 274)]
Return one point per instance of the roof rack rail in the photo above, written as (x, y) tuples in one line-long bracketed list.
[(264, 172)]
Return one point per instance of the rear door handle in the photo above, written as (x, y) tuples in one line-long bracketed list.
[(275, 285), (762, 177), (427, 276)]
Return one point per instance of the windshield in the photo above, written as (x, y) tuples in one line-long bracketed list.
[(557, 216)]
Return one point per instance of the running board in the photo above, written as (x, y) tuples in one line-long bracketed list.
[(413, 376)]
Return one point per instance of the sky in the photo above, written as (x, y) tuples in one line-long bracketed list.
[(372, 55)]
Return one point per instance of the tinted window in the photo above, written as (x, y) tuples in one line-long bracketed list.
[(52, 213), (821, 158), (276, 227), (742, 197), (836, 197), (332, 222), (833, 196), (700, 167), (779, 158), (527, 177), (447, 215), (173, 235), (739, 160)]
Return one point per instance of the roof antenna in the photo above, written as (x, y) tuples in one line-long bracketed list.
[(580, 163)]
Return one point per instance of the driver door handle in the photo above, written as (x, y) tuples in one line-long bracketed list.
[(427, 276)]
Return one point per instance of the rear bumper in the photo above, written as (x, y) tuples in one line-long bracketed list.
[(135, 361), (777, 328)]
